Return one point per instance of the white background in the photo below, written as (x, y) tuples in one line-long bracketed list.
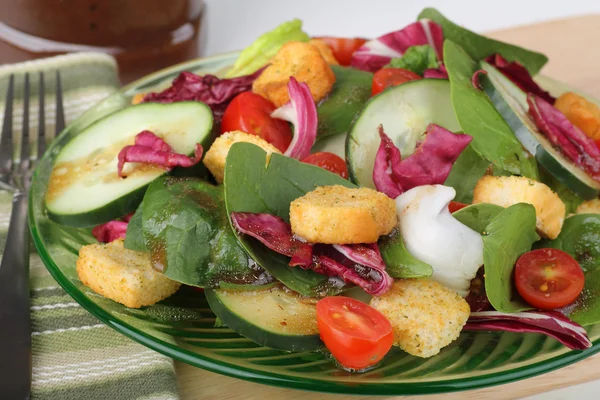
[(233, 24)]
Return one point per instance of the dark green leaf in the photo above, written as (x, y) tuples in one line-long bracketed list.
[(134, 239), (252, 185), (571, 200), (416, 59), (478, 47), (188, 235), (350, 92), (399, 262), (580, 237), (492, 137), (478, 216), (465, 174), (510, 234)]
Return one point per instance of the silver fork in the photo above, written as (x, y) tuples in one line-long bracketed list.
[(18, 157)]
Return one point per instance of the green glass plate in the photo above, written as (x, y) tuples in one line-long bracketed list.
[(182, 327)]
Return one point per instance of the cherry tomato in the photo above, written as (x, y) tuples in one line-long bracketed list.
[(248, 112), (328, 161), (548, 278), (454, 206), (357, 335), (598, 143), (387, 77), (343, 48)]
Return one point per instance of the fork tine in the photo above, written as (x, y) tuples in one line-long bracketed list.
[(60, 114), (41, 147), (24, 158), (6, 146)]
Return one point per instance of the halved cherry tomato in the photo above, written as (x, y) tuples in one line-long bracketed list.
[(329, 161), (454, 206), (248, 112), (357, 335), (387, 77), (343, 48), (548, 278)]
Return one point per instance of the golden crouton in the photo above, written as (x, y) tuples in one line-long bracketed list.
[(425, 316), (582, 113), (325, 51), (589, 207), (508, 190), (304, 62), (123, 275), (217, 154), (340, 215)]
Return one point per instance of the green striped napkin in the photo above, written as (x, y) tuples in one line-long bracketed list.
[(75, 356)]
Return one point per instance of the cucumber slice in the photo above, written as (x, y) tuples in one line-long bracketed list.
[(511, 103), (84, 189), (405, 111), (274, 317), (333, 144)]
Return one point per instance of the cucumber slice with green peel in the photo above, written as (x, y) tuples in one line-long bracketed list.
[(272, 317), (84, 188), (404, 111), (332, 144), (511, 103)]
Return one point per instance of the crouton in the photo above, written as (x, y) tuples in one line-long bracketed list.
[(340, 215), (582, 113), (216, 155), (123, 275), (425, 316), (325, 50), (589, 207), (508, 190), (138, 98), (304, 62)]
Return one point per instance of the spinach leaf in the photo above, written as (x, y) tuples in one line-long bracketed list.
[(478, 216), (571, 200), (478, 47), (350, 92), (492, 137), (580, 237), (254, 185), (399, 262), (188, 235), (416, 59), (510, 234), (134, 239), (465, 173)]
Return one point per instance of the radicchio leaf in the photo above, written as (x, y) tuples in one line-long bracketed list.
[(376, 53), (519, 75), (569, 139), (150, 149), (110, 231), (301, 111), (215, 92), (430, 164), (549, 323), (361, 265), (436, 73)]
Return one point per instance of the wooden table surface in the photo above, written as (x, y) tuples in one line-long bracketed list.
[(571, 46)]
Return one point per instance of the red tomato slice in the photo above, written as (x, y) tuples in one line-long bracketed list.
[(387, 77), (329, 161), (248, 112), (454, 206), (343, 48), (548, 278), (357, 335)]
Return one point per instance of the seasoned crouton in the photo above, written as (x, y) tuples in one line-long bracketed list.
[(508, 190), (304, 62), (123, 275), (340, 215), (217, 154), (425, 316), (589, 207), (582, 113), (325, 51)]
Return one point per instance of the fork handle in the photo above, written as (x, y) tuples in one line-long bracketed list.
[(15, 330)]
